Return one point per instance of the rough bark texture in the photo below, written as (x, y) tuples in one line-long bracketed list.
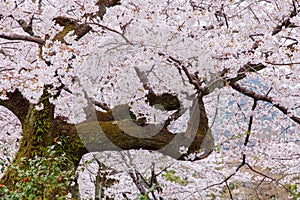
[(17, 104), (126, 133), (40, 129)]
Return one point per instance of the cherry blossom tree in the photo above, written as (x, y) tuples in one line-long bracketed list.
[(213, 82)]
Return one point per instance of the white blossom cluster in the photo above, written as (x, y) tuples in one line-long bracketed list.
[(213, 39)]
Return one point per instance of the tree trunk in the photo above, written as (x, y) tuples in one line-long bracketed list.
[(41, 130)]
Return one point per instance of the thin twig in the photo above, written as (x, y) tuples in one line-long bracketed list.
[(228, 188), (111, 30), (250, 123)]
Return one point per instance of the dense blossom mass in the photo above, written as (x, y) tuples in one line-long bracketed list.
[(241, 56)]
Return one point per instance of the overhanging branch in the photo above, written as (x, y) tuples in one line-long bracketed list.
[(259, 97), (122, 133), (27, 38)]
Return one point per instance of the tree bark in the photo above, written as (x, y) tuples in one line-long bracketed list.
[(40, 130), (105, 132), (126, 133)]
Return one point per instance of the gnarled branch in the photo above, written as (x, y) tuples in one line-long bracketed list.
[(108, 133)]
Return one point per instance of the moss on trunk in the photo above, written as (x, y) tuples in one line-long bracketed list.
[(41, 130)]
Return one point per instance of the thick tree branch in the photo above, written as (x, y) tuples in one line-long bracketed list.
[(69, 25), (27, 38), (260, 97), (17, 104), (81, 29), (118, 139), (27, 27), (101, 105), (111, 134), (167, 100)]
